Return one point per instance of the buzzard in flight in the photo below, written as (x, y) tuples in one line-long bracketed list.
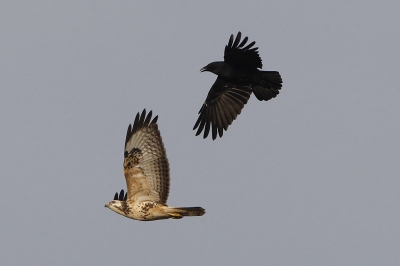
[(146, 171), (238, 77)]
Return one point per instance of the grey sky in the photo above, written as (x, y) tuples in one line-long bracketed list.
[(308, 178)]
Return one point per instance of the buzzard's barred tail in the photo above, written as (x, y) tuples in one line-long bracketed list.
[(269, 86), (179, 212)]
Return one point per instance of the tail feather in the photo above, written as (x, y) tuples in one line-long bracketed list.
[(269, 86), (179, 212)]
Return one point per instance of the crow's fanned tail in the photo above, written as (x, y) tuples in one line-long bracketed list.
[(269, 86)]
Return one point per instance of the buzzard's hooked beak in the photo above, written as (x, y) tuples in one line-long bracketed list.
[(204, 69)]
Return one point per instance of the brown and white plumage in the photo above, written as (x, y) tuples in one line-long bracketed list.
[(146, 171)]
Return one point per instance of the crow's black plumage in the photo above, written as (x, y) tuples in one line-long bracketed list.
[(238, 77)]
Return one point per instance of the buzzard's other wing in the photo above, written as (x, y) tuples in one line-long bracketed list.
[(223, 103), (242, 57), (146, 166), (121, 197)]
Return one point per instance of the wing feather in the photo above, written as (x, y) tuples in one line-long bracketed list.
[(242, 57), (243, 42), (146, 166), (224, 102)]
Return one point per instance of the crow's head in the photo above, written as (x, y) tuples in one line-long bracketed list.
[(213, 67)]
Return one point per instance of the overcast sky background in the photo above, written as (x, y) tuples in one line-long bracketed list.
[(308, 178)]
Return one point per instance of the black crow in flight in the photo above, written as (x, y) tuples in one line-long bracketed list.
[(238, 77)]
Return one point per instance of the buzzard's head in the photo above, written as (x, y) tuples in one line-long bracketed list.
[(117, 206), (119, 203)]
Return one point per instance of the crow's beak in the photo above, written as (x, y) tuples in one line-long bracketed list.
[(203, 69)]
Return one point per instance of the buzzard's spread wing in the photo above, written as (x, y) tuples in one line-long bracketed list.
[(242, 57), (224, 102), (146, 166)]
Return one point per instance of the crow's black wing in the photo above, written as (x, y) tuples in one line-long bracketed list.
[(224, 102), (241, 56)]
